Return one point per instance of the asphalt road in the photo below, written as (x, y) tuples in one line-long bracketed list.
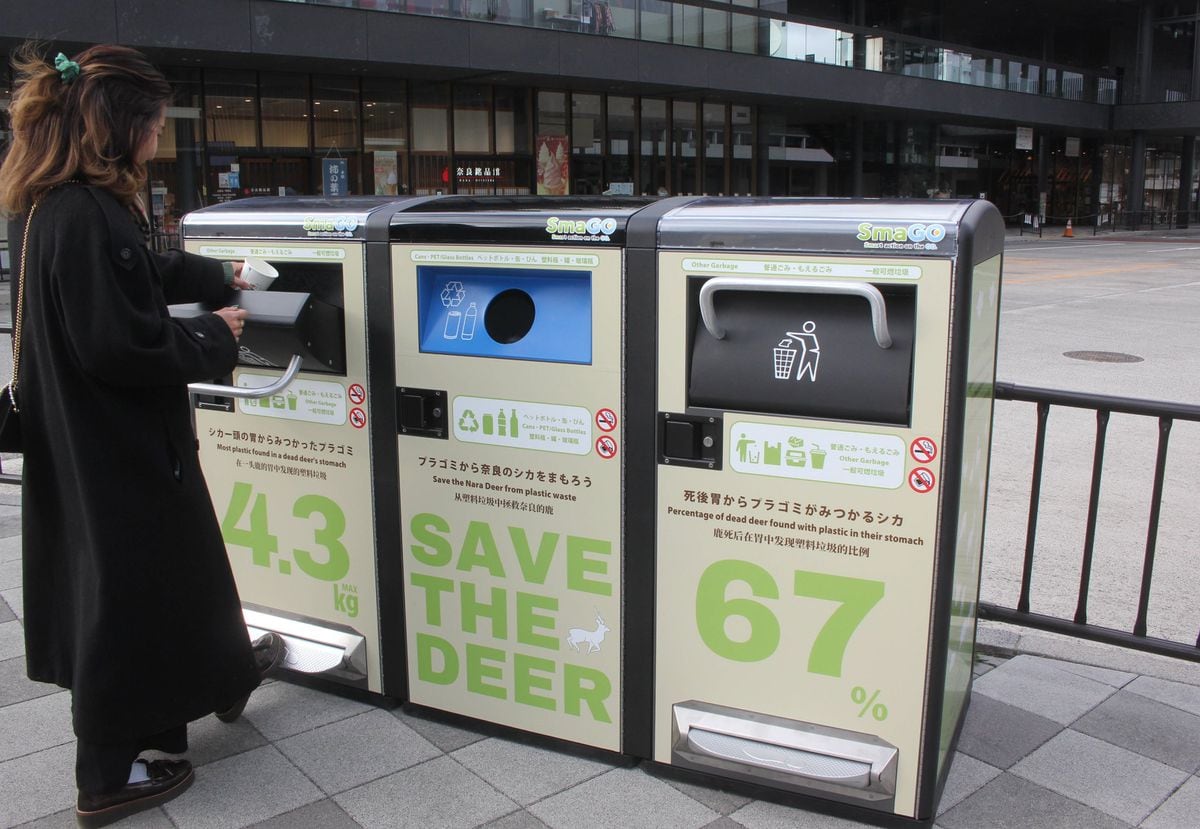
[(1138, 297)]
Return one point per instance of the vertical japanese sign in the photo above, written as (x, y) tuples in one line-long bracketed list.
[(335, 177)]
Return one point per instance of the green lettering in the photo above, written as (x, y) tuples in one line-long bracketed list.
[(588, 685), (533, 567), (864, 232), (579, 565), (496, 611), (714, 608), (528, 618), (477, 671), (524, 680), (427, 643), (434, 587), (423, 526), (479, 550)]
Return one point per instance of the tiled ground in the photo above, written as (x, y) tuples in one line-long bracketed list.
[(1047, 743)]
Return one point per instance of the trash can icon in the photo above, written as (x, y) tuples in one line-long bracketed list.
[(785, 358)]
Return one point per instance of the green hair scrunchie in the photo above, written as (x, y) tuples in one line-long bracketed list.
[(66, 67)]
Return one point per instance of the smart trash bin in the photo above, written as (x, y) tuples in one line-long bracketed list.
[(509, 337), (294, 475), (822, 419)]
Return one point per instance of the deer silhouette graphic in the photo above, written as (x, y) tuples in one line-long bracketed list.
[(575, 636)]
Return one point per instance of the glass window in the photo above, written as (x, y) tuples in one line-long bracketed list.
[(715, 144), (335, 113), (430, 138), (741, 156), (716, 29), (385, 115), (656, 21), (685, 21), (587, 126), (622, 137), (684, 153), (552, 154), (385, 135), (284, 110), (654, 147), (744, 30), (587, 144), (429, 128), (231, 109), (472, 119), (512, 120)]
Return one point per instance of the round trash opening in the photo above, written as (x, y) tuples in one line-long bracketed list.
[(509, 316)]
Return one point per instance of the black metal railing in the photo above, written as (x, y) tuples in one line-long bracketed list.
[(1104, 406)]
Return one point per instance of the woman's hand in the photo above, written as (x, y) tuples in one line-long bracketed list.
[(235, 318), (238, 282)]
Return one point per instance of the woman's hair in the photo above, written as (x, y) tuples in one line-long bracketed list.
[(88, 128)]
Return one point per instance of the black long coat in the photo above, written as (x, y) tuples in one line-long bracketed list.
[(129, 598)]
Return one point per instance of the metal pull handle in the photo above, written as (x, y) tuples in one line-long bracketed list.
[(251, 392), (801, 286)]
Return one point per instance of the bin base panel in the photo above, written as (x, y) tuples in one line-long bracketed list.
[(790, 754), (314, 648)]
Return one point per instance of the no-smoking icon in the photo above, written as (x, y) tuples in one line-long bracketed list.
[(606, 447), (357, 394), (921, 479), (923, 450), (358, 418), (606, 420)]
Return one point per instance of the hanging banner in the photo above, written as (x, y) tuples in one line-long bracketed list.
[(386, 177), (1024, 138), (335, 177), (553, 165)]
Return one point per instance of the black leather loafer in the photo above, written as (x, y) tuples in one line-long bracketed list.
[(168, 780), (269, 651)]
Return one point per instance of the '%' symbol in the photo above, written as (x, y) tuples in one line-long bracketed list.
[(859, 697)]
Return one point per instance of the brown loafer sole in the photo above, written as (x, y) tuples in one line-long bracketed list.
[(138, 803)]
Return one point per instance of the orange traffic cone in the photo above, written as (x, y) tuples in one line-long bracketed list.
[(1068, 233)]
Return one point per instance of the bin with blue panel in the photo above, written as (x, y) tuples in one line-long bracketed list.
[(820, 416), (510, 346)]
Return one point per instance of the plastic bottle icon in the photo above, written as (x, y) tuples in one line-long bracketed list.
[(503, 423), (468, 327)]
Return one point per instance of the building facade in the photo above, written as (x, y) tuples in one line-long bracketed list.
[(1082, 109)]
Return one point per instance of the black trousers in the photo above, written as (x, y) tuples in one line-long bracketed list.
[(104, 767)]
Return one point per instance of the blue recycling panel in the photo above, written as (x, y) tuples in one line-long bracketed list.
[(456, 313)]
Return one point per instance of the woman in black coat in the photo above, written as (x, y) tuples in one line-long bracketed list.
[(129, 599)]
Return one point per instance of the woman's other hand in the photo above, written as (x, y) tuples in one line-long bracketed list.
[(235, 318)]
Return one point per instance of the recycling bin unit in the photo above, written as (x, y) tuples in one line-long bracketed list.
[(822, 421), (295, 475), (508, 355)]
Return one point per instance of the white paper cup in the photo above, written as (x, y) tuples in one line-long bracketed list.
[(259, 273)]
